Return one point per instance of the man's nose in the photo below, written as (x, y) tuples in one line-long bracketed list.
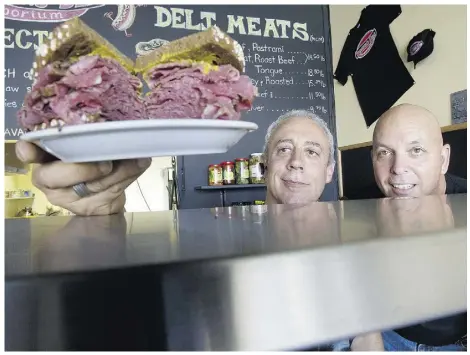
[(296, 162), (399, 165)]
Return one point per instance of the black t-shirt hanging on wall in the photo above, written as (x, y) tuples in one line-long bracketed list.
[(371, 57)]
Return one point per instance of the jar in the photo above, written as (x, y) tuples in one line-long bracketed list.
[(242, 171), (256, 168), (228, 172), (215, 175)]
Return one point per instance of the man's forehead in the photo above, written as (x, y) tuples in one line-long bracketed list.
[(407, 124), (293, 141), (299, 128), (403, 134)]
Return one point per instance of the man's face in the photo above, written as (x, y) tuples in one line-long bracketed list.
[(408, 158), (297, 162)]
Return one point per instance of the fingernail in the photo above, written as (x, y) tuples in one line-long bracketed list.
[(144, 163), (105, 167)]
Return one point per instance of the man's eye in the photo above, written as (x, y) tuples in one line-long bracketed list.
[(417, 151), (283, 150), (383, 153), (312, 152)]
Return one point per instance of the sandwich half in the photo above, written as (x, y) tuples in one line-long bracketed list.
[(79, 78), (197, 76)]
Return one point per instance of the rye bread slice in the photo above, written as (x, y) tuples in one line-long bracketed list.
[(73, 39), (211, 46)]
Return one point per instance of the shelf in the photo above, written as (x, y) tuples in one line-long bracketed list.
[(19, 198), (11, 170), (230, 187)]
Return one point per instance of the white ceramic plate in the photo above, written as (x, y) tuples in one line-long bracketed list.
[(139, 139)]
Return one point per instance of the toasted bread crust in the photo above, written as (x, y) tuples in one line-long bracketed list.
[(73, 39), (211, 46)]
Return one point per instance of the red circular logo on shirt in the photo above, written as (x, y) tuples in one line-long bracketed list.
[(365, 44)]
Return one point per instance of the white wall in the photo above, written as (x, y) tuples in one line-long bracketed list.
[(153, 184), (439, 75)]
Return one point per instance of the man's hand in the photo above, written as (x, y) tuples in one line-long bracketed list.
[(106, 181)]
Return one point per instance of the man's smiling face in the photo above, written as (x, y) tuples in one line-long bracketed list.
[(408, 156), (297, 162)]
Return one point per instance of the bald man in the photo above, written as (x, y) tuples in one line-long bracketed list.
[(409, 157), (410, 160)]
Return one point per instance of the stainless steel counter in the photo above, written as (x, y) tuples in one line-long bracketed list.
[(243, 278)]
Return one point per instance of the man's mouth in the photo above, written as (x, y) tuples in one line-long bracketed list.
[(293, 183), (402, 188)]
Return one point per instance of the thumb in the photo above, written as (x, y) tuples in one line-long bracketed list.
[(30, 153)]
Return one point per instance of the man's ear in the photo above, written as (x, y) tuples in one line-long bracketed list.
[(330, 169), (445, 156)]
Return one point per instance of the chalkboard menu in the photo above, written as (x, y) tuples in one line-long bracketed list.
[(287, 53)]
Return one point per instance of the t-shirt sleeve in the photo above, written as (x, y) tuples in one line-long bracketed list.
[(387, 13), (343, 69)]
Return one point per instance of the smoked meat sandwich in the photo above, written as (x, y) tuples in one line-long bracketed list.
[(197, 76)]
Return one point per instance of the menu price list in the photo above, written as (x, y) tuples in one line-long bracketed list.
[(287, 76)]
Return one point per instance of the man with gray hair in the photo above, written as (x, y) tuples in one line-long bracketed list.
[(299, 158)]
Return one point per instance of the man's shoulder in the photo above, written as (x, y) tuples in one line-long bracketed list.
[(455, 185)]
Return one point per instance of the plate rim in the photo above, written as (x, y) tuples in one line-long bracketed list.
[(100, 127)]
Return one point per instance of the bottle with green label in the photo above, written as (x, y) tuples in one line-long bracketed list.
[(228, 172), (215, 175), (256, 168), (242, 171)]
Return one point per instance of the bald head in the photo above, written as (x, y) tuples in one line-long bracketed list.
[(405, 116), (408, 155)]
